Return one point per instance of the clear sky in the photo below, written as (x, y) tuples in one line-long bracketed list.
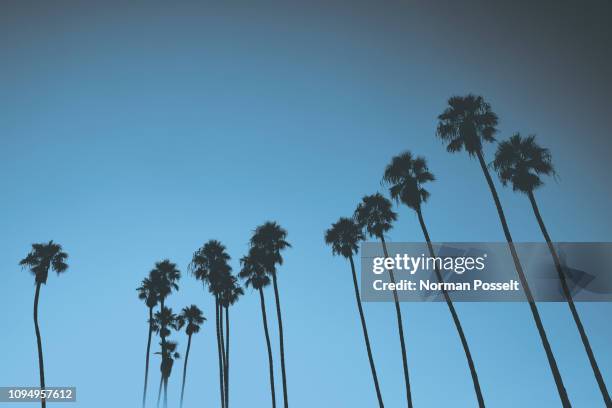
[(134, 133)]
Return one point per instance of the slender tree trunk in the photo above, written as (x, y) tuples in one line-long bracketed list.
[(570, 302), (270, 361), (185, 368), (159, 392), (521, 275), (455, 316), (400, 327), (41, 364), (144, 392), (365, 335), (166, 392), (222, 340), (219, 352), (227, 342), (281, 340)]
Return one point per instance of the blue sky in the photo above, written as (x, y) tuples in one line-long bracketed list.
[(136, 133)]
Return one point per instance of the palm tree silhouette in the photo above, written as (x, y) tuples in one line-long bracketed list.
[(209, 264), (39, 261), (191, 317), (467, 123), (229, 296), (343, 236), (254, 273), (520, 161), (164, 321), (271, 238), (375, 214), (147, 292), (405, 176)]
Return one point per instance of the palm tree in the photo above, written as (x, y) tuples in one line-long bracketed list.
[(39, 261), (467, 123), (343, 237), (229, 296), (520, 161), (192, 317), (147, 292), (168, 356), (375, 214), (271, 238), (405, 176), (164, 321), (254, 273), (209, 264)]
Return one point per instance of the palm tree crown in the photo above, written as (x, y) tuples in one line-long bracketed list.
[(210, 265), (466, 123), (231, 291), (271, 238), (253, 270), (147, 291), (193, 317), (344, 236), (43, 257), (165, 276), (406, 175), (520, 161), (375, 214), (165, 320)]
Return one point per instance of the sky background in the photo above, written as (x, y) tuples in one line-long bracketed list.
[(135, 132)]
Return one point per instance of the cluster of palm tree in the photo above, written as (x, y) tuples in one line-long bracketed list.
[(466, 124)]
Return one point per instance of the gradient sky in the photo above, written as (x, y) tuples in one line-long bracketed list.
[(133, 133)]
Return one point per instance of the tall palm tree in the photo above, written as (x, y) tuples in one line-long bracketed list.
[(147, 292), (376, 215), (42, 258), (520, 161), (467, 123), (167, 361), (192, 318), (405, 176), (343, 236), (254, 273), (271, 238), (165, 322), (209, 264), (229, 296)]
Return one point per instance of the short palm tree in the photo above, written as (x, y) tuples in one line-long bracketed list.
[(466, 124), (147, 292), (192, 318), (210, 265), (271, 238), (42, 258), (229, 296), (376, 215), (164, 322), (405, 176), (254, 273), (344, 236), (520, 161)]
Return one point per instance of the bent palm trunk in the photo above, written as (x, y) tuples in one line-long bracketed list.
[(521, 275), (144, 392), (219, 352), (270, 361), (41, 365), (185, 368), (455, 316), (570, 302), (400, 327), (282, 343), (365, 335)]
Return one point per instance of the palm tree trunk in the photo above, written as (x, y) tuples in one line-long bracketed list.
[(281, 340), (365, 334), (227, 334), (219, 352), (41, 364), (270, 361), (400, 327), (570, 302), (159, 392), (185, 368), (451, 308), (521, 275), (166, 392), (222, 340), (144, 392)]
